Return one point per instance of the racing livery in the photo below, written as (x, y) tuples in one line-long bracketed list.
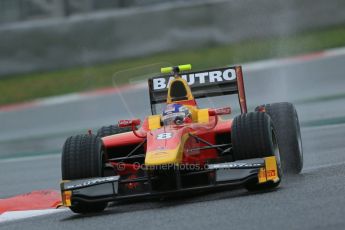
[(184, 148)]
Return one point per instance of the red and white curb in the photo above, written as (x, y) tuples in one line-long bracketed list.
[(35, 203), (19, 215), (249, 67)]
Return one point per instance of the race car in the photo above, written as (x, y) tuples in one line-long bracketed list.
[(184, 148)]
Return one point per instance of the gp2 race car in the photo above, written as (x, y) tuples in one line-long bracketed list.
[(185, 149)]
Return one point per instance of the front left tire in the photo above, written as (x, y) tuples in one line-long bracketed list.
[(253, 136), (287, 127), (112, 130)]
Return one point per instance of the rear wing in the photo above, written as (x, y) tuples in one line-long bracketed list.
[(207, 83)]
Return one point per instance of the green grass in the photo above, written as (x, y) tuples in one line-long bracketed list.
[(19, 88)]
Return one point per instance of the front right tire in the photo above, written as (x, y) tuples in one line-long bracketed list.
[(83, 157)]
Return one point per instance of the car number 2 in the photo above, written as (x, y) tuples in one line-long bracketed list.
[(164, 136)]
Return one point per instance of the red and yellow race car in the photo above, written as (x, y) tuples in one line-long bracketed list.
[(185, 148)]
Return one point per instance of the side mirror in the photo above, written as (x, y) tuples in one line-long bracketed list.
[(129, 123), (219, 111)]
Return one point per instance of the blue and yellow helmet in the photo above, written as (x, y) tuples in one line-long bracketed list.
[(175, 114)]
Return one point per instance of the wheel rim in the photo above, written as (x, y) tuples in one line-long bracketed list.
[(276, 153), (103, 162), (299, 140)]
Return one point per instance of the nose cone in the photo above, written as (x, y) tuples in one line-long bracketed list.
[(165, 146), (163, 157)]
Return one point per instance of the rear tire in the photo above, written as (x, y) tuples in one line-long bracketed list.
[(82, 157), (111, 130), (253, 136), (285, 120)]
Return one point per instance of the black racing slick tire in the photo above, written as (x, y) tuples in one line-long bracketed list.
[(286, 123), (82, 157), (253, 136), (111, 130)]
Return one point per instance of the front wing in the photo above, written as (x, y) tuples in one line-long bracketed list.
[(226, 174)]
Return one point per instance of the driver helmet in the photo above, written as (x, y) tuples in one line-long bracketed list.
[(176, 114)]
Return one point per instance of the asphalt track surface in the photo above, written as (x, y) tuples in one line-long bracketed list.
[(312, 200)]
